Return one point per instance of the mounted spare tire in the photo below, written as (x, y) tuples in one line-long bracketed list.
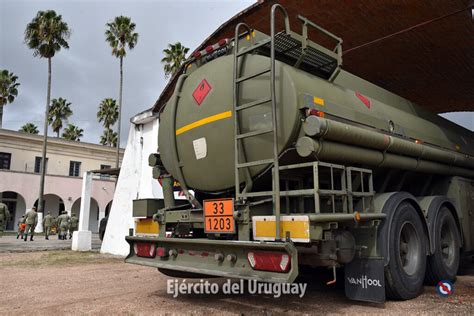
[(444, 263), (405, 272)]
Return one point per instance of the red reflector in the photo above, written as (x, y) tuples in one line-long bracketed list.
[(209, 49), (222, 42), (162, 252), (316, 113), (143, 249), (269, 261), (197, 54)]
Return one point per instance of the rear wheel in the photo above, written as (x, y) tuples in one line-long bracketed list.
[(406, 269), (444, 263)]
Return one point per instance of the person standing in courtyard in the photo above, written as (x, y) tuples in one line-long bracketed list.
[(47, 224), (31, 220), (4, 217), (21, 226), (63, 224), (73, 225)]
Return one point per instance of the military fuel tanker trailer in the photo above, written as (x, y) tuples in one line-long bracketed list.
[(286, 160)]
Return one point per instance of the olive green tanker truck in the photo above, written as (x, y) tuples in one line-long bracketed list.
[(288, 161)]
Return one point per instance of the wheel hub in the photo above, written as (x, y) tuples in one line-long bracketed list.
[(409, 248)]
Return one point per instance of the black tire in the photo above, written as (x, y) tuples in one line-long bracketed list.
[(405, 272), (444, 263)]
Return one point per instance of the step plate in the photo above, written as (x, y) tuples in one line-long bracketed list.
[(264, 228)]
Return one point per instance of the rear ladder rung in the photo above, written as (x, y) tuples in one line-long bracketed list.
[(248, 77), (252, 104), (255, 133), (254, 163)]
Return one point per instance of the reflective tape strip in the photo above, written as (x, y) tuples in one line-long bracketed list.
[(264, 228), (204, 121), (319, 101), (146, 227)]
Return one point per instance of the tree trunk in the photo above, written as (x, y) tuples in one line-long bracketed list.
[(119, 113), (1, 115), (45, 140), (57, 134)]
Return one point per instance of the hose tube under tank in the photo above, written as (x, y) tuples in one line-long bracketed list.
[(335, 141)]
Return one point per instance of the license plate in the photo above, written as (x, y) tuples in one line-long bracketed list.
[(219, 216)]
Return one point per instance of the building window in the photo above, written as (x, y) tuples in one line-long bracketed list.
[(74, 168), (104, 176), (38, 164), (5, 159)]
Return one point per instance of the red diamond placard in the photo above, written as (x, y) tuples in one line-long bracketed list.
[(201, 91)]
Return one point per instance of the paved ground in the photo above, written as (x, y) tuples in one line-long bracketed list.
[(9, 243), (66, 282)]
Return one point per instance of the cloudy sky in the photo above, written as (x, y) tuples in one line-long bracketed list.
[(87, 72)]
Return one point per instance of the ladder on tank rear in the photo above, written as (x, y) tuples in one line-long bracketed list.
[(288, 47)]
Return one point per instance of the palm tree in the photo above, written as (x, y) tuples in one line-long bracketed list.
[(46, 34), (60, 110), (109, 138), (175, 55), (120, 34), (73, 133), (29, 128), (8, 90), (108, 112)]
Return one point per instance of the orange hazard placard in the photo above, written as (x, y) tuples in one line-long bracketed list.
[(219, 216)]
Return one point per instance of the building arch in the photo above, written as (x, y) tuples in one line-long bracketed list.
[(52, 203), (16, 205), (108, 207), (93, 215)]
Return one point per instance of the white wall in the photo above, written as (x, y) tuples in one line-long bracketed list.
[(135, 181)]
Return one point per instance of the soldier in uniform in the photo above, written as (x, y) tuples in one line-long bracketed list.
[(4, 217), (47, 223), (74, 223), (31, 220), (21, 226), (63, 224)]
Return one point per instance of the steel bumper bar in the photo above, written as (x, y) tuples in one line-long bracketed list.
[(214, 257)]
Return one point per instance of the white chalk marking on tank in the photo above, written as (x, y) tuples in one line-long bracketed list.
[(200, 148)]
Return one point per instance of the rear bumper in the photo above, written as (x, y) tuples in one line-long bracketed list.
[(199, 256)]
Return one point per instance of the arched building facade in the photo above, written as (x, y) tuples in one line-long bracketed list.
[(19, 174)]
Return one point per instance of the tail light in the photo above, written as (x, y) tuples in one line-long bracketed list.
[(143, 249), (162, 252), (269, 261)]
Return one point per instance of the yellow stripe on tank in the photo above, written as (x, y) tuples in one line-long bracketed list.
[(204, 121)]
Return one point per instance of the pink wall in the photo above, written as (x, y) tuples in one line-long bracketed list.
[(67, 188)]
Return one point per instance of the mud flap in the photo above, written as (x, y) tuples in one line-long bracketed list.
[(365, 280)]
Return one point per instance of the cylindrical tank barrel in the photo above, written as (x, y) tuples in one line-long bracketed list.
[(363, 125)]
